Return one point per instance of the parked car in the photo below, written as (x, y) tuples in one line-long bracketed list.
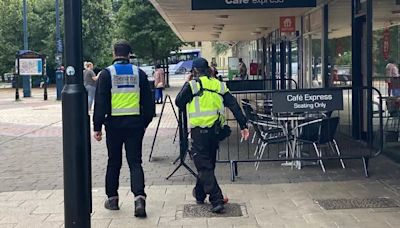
[(342, 76)]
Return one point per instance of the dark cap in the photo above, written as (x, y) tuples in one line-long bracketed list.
[(200, 63)]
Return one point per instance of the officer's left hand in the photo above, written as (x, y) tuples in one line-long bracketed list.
[(245, 133), (97, 135)]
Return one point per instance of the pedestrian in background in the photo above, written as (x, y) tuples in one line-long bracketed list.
[(242, 69), (124, 104), (206, 97), (392, 71), (89, 81), (159, 83)]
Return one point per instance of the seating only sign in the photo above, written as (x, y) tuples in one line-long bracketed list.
[(307, 101)]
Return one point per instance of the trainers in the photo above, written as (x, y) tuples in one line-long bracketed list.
[(140, 207), (112, 203), (218, 209), (197, 200)]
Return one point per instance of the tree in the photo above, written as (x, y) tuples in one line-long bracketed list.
[(220, 48), (151, 38), (11, 38), (96, 31)]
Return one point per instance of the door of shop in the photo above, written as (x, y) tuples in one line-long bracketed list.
[(362, 70)]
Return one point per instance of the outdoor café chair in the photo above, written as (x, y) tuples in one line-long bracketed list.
[(318, 132), (269, 137), (268, 128)]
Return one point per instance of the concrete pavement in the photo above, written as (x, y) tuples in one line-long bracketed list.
[(31, 192)]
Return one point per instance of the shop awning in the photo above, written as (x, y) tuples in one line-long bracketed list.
[(223, 25)]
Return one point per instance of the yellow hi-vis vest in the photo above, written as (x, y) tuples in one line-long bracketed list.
[(125, 90), (207, 107)]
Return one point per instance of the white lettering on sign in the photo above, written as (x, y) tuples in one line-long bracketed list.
[(276, 1), (309, 97), (124, 80), (262, 2), (236, 2), (294, 97), (310, 101)]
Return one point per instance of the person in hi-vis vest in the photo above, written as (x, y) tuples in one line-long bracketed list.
[(205, 98), (124, 104)]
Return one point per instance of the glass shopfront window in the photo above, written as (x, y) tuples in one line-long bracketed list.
[(339, 44), (386, 61), (312, 27)]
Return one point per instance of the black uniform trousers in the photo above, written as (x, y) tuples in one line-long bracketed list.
[(204, 152), (132, 139)]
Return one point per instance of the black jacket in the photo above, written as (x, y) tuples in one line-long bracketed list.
[(185, 96), (102, 105)]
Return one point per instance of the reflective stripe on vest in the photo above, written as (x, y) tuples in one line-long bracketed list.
[(125, 90), (206, 109)]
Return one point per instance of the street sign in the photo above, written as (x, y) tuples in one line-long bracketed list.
[(307, 101), (29, 63), (29, 67), (250, 4), (287, 24)]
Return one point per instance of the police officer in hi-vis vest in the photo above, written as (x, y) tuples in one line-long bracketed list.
[(124, 104), (205, 98)]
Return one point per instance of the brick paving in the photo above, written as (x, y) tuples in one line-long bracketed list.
[(31, 165)]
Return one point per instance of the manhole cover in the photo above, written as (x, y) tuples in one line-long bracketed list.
[(337, 204), (203, 210)]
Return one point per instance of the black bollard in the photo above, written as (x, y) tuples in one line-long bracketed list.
[(45, 89), (76, 130), (16, 87)]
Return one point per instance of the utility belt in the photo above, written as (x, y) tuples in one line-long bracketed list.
[(222, 132)]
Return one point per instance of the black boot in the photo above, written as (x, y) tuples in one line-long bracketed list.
[(140, 207), (218, 208), (112, 203), (198, 201)]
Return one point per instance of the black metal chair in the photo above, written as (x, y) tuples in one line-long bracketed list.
[(318, 132), (266, 130)]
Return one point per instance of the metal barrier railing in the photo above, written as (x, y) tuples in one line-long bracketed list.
[(264, 84), (362, 135)]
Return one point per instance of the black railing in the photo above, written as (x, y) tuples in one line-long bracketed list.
[(265, 84), (360, 138)]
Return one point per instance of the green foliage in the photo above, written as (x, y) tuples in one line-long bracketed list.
[(220, 48), (151, 38), (137, 21), (97, 31), (10, 26), (394, 53), (340, 51)]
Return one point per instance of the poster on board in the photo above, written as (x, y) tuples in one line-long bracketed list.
[(233, 67)]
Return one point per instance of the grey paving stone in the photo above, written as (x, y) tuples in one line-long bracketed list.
[(8, 225)]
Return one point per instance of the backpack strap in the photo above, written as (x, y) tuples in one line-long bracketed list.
[(202, 89)]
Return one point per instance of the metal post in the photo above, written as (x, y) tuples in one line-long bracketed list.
[(76, 130), (26, 80), (273, 66), (282, 58), (289, 63), (325, 47), (59, 47)]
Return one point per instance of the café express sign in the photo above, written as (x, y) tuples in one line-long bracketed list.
[(310, 101), (250, 4)]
